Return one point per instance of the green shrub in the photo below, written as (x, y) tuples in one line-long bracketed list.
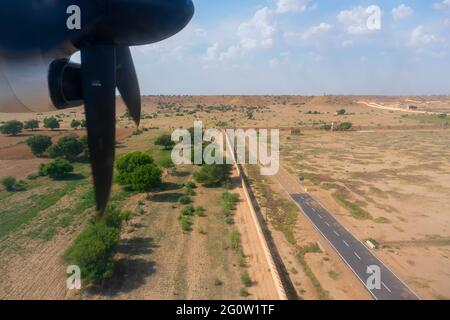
[(51, 123), (246, 281), (95, 247), (39, 144), (235, 240), (57, 169), (165, 141), (31, 125), (200, 212), (12, 128), (344, 126), (212, 175), (341, 112), (146, 178), (68, 147), (184, 200), (244, 293), (126, 165), (188, 211), (75, 124), (9, 183), (186, 223)]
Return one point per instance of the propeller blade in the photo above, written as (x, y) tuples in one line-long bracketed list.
[(98, 70), (127, 83)]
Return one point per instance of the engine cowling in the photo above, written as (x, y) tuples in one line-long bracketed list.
[(39, 83)]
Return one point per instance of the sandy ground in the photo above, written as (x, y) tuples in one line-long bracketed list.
[(259, 269), (402, 182)]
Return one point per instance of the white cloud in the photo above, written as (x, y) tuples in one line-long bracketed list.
[(283, 59), (442, 5), (420, 37), (212, 52), (315, 30), (356, 19), (284, 6), (258, 32), (231, 53), (402, 11)]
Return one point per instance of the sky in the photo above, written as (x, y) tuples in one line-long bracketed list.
[(303, 47)]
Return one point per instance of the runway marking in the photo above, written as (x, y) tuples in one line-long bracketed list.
[(386, 287), (345, 242), (357, 255), (320, 216), (312, 208), (335, 232), (327, 224)]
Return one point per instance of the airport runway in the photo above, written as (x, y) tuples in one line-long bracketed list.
[(352, 251)]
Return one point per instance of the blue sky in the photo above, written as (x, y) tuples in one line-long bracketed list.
[(303, 47)]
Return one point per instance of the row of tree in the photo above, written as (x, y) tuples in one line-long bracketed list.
[(15, 127)]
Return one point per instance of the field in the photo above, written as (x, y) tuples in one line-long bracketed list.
[(387, 179)]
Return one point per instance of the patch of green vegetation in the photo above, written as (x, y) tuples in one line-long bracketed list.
[(382, 220), (312, 248), (356, 211), (13, 218), (246, 280), (333, 274), (95, 247), (229, 205), (429, 118)]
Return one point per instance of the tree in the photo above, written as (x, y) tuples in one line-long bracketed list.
[(68, 147), (165, 141), (83, 123), (146, 178), (57, 169), (51, 123), (344, 126), (75, 124), (31, 125), (39, 144), (212, 174), (9, 183), (12, 128), (127, 164), (341, 112)]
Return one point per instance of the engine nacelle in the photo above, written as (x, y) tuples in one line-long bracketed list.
[(39, 83)]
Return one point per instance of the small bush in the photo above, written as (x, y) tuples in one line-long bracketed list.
[(212, 175), (11, 184), (200, 212), (186, 223), (244, 293), (246, 281), (344, 126), (57, 169), (184, 200), (165, 141), (341, 112), (188, 211)]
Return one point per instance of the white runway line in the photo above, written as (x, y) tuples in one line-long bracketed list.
[(320, 216), (336, 233), (386, 287), (345, 242), (357, 255), (327, 224)]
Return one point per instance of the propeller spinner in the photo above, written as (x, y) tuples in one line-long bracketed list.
[(106, 30)]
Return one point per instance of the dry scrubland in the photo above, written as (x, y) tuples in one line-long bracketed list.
[(389, 182)]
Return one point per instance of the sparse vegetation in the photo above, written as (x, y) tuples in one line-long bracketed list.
[(68, 148), (12, 185), (212, 175)]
